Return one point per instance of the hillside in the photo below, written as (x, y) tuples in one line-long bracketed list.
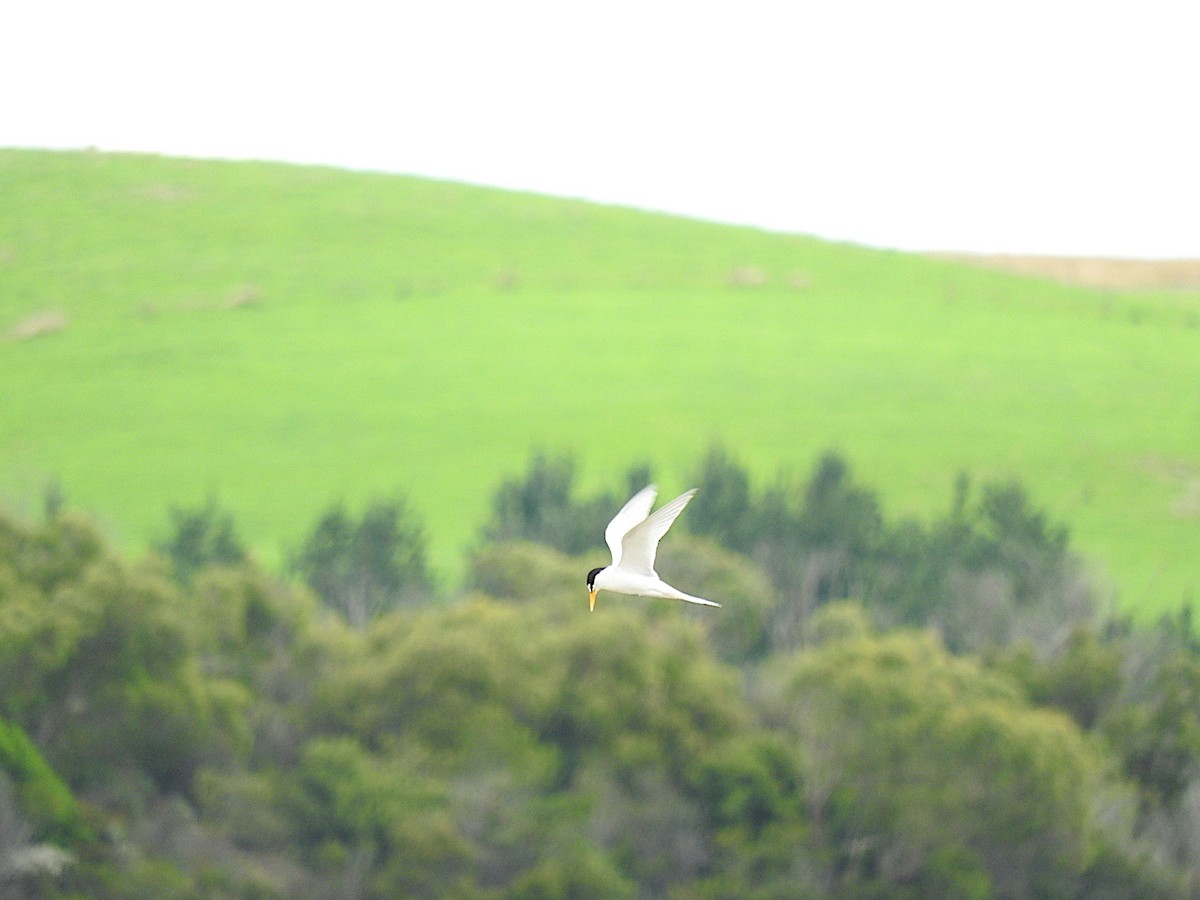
[(286, 336)]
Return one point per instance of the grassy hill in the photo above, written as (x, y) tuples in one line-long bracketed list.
[(288, 336)]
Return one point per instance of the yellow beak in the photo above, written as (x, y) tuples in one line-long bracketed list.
[(591, 601)]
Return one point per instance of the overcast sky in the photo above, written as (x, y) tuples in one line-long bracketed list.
[(1023, 126)]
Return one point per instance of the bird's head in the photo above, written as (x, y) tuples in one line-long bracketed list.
[(591, 583)]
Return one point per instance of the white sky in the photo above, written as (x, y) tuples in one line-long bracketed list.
[(1037, 126)]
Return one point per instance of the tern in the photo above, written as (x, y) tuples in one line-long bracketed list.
[(633, 537)]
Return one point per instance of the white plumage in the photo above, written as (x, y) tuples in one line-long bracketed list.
[(633, 537)]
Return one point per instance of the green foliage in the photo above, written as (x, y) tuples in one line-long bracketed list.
[(740, 633), (991, 570), (897, 734), (42, 558), (227, 738), (1157, 731), (46, 800), (581, 872), (94, 654), (1082, 679), (525, 572), (239, 619), (842, 620), (201, 537), (363, 568), (539, 507), (340, 792), (524, 723), (722, 508), (1017, 538), (465, 683)]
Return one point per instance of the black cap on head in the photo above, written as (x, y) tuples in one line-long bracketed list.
[(592, 576)]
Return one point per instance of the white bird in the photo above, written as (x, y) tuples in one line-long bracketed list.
[(633, 537)]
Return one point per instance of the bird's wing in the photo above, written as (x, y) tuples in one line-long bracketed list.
[(640, 544), (631, 514)]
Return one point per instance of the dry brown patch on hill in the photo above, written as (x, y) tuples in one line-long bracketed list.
[(46, 321), (1097, 272)]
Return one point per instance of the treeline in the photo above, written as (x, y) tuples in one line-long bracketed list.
[(881, 709)]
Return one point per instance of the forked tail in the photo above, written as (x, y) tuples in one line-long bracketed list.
[(700, 600)]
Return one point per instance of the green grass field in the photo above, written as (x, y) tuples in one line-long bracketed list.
[(285, 337)]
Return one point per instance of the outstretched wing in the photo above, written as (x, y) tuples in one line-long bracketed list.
[(640, 544), (631, 514)]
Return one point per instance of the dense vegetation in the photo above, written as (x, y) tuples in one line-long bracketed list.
[(882, 708), (286, 336)]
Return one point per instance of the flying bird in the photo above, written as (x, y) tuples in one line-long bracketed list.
[(633, 537)]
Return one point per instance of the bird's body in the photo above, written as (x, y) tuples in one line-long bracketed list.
[(633, 537), (610, 579)]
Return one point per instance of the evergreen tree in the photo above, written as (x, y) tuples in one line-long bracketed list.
[(201, 536), (364, 567)]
